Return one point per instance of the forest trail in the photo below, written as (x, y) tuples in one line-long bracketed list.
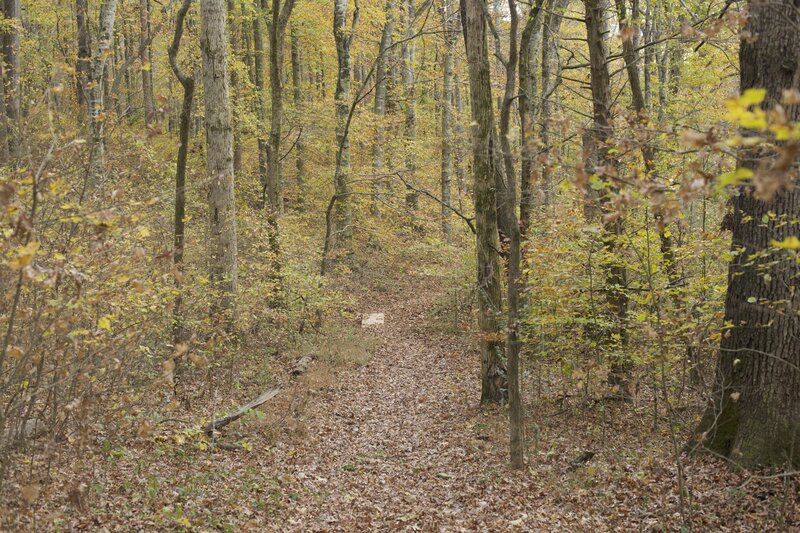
[(401, 442)]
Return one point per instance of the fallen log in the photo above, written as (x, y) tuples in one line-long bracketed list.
[(219, 423), (301, 366)]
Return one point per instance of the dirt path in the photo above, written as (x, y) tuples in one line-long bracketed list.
[(401, 444)]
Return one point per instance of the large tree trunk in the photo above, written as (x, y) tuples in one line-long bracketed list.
[(219, 150), (754, 415), (447, 119), (344, 41), (493, 375), (613, 338), (379, 107), (145, 56), (105, 41)]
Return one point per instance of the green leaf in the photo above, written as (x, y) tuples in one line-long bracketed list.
[(733, 178), (752, 97)]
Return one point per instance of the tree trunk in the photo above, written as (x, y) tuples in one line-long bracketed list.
[(84, 49), (447, 119), (410, 95), (105, 41), (180, 168), (754, 416), (614, 338), (261, 102), (551, 79), (297, 86), (4, 137), (344, 41), (277, 31), (493, 374), (145, 54), (219, 154), (234, 25), (379, 107), (526, 113), (507, 189), (13, 97)]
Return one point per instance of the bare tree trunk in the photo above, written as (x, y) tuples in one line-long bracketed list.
[(527, 92), (600, 135), (219, 154), (551, 78), (409, 53), (447, 118), (493, 374), (460, 152), (277, 31), (297, 86), (145, 56), (236, 84), (179, 240), (13, 88), (344, 41), (379, 107), (754, 416), (261, 102), (507, 190), (105, 41), (84, 49), (4, 136)]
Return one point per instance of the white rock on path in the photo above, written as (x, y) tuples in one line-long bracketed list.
[(372, 319)]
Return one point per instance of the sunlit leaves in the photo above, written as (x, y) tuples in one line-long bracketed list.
[(22, 256)]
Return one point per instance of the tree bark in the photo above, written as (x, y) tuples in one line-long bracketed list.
[(261, 101), (344, 41), (297, 94), (11, 44), (187, 83), (219, 150), (447, 119), (493, 373), (236, 84), (108, 11), (754, 414), (277, 30), (614, 338), (145, 56), (379, 107), (84, 49), (551, 79), (409, 53)]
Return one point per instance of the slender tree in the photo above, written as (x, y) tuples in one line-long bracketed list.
[(281, 11), (754, 414), (84, 49), (187, 82), (108, 12), (297, 96), (344, 41), (493, 372), (145, 56), (447, 117), (379, 105), (600, 134)]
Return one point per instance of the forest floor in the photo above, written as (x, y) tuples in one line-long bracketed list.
[(395, 439)]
